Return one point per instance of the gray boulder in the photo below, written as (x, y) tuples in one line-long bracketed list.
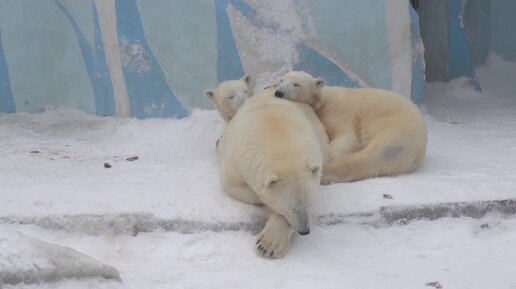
[(24, 259)]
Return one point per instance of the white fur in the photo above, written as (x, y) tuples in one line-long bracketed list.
[(229, 95), (272, 153), (372, 132)]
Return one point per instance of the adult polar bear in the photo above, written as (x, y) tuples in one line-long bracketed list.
[(272, 153), (372, 132)]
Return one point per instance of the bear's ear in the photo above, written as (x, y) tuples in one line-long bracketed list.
[(271, 180), (209, 94), (319, 82), (270, 86), (246, 78), (314, 169)]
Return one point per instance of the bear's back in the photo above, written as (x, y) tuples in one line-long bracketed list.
[(273, 131)]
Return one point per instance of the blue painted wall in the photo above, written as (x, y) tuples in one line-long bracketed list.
[(503, 23), (54, 52), (477, 21), (149, 93), (356, 33), (95, 62), (44, 59), (459, 55), (418, 70), (6, 95), (229, 65), (170, 31), (434, 31), (459, 35)]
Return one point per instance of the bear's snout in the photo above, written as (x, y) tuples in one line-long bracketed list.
[(278, 94), (301, 221)]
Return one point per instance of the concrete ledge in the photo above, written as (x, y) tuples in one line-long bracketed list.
[(92, 224), (402, 215)]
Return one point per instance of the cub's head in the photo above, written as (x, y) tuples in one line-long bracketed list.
[(228, 96), (288, 195), (300, 86)]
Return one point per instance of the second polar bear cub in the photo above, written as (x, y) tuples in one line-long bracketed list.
[(372, 132), (228, 96)]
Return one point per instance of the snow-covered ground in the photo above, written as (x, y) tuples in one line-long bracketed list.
[(458, 253), (163, 221)]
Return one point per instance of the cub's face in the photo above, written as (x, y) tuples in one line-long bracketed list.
[(289, 197), (229, 96), (299, 86)]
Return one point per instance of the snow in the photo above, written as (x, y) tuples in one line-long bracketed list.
[(268, 45), (164, 222), (458, 253), (133, 56)]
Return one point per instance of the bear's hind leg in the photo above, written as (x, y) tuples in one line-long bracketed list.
[(376, 159), (344, 145), (349, 168)]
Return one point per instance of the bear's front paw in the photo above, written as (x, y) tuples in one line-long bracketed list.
[(274, 239)]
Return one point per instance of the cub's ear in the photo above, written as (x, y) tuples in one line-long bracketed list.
[(319, 82), (209, 93), (246, 78), (270, 86), (271, 180)]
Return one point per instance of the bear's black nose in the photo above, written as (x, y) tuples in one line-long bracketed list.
[(303, 233), (278, 94)]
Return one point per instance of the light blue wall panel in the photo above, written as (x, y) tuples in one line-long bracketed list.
[(356, 31), (503, 15), (477, 20), (44, 59), (6, 95), (185, 46)]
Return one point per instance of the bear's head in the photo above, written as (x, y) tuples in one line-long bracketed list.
[(287, 195), (228, 96), (300, 86)]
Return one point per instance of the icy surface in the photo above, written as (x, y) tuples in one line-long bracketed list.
[(52, 175)]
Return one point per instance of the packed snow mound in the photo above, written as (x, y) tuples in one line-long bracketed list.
[(24, 259)]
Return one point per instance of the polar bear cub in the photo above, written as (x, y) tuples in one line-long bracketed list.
[(271, 153), (229, 95), (372, 132)]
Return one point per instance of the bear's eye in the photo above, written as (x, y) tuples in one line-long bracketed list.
[(231, 97), (297, 84)]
